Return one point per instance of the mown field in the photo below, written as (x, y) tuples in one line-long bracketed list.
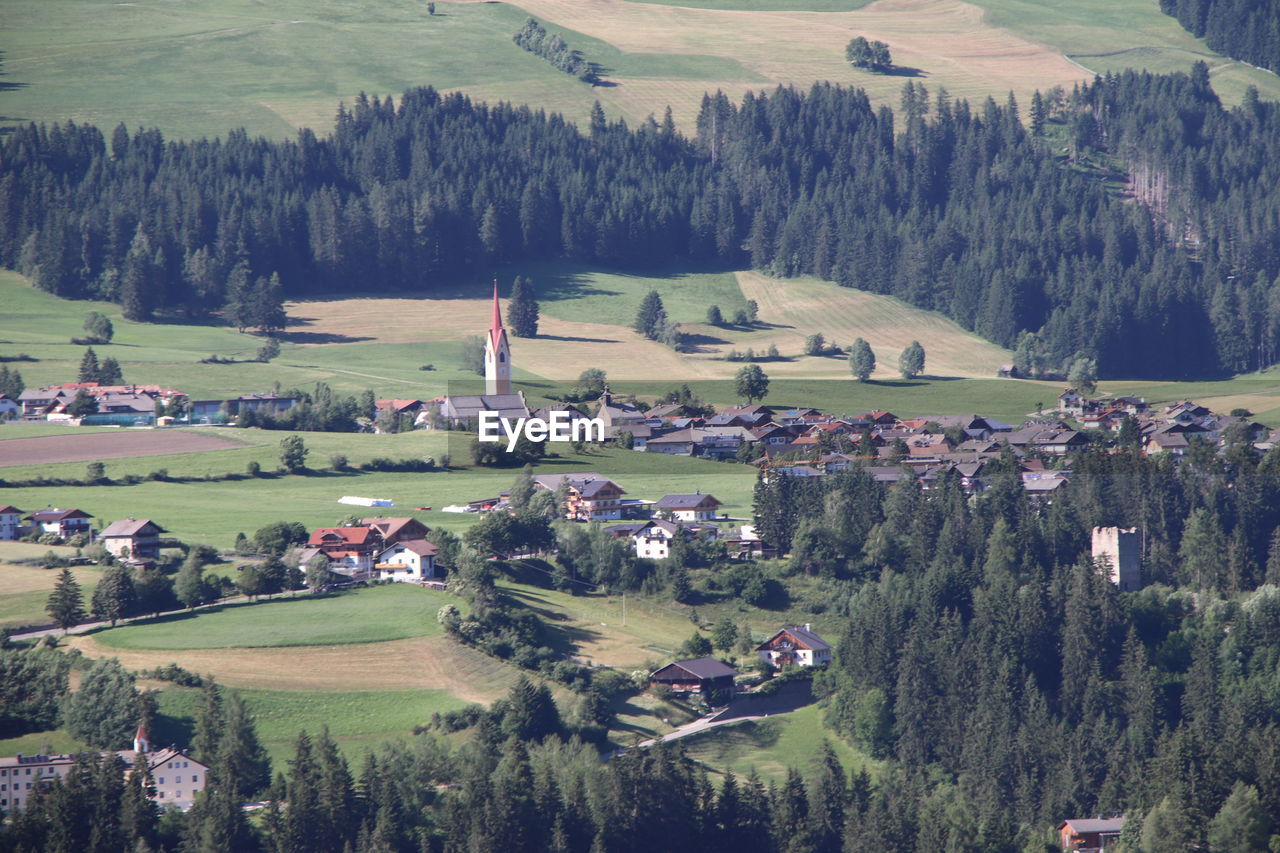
[(24, 589), (201, 68)]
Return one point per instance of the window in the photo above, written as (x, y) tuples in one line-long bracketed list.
[(160, 795), (161, 780), (177, 780), (195, 777)]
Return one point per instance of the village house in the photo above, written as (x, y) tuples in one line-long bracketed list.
[(795, 646), (132, 539), (705, 676), (221, 411), (410, 560), (394, 530), (1090, 835), (63, 523), (9, 408), (350, 550), (177, 777), (10, 523), (590, 496), (695, 507)]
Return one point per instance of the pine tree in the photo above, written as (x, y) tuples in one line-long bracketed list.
[(89, 368), (110, 373), (651, 317), (532, 713), (114, 596), (522, 310), (862, 361), (242, 763), (66, 602), (209, 723), (1037, 114)]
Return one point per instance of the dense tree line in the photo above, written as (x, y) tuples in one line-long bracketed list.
[(552, 47), (1243, 29), (951, 207)]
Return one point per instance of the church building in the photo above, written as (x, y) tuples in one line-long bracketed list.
[(463, 410)]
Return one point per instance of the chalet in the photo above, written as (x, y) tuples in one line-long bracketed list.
[(350, 549), (695, 507), (132, 539), (590, 497), (63, 523), (795, 646), (10, 523), (412, 560), (38, 403), (1166, 442), (651, 539), (1090, 835), (1071, 402), (706, 676), (176, 776), (393, 530)]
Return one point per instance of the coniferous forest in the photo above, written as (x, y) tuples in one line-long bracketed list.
[(1242, 29), (1008, 229)]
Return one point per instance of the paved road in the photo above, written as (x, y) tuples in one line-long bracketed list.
[(86, 627)]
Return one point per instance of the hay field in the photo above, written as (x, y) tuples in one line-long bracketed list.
[(24, 590)]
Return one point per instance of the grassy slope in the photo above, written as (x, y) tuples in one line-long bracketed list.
[(24, 590), (375, 615), (772, 745)]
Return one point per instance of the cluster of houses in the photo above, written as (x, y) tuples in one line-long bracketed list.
[(177, 777), (129, 540), (132, 405), (379, 548), (797, 645), (1168, 430)]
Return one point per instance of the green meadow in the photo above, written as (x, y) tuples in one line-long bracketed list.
[(375, 615)]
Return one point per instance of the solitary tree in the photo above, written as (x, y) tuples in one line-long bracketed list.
[(751, 383), (431, 8), (99, 327), (911, 362), (651, 317), (591, 382), (815, 344), (88, 366), (862, 361), (66, 602), (293, 453), (714, 317), (522, 311)]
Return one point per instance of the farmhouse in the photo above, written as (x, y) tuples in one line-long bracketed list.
[(350, 549), (652, 539), (795, 646), (412, 560), (132, 539), (695, 507), (10, 523), (63, 523), (706, 676), (177, 777), (1089, 835), (394, 530), (590, 496)]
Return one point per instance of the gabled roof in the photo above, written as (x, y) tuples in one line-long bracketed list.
[(693, 501), (130, 527), (5, 510), (802, 637), (340, 535), (1082, 825), (421, 547), (390, 528), (701, 668), (53, 514)]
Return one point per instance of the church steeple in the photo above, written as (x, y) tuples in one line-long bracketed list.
[(497, 353), (141, 743)]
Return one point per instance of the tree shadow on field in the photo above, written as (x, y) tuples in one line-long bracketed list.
[(904, 71), (576, 340), (304, 337)]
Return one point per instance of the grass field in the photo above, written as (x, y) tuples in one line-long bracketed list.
[(773, 745), (200, 68), (373, 615), (24, 590)]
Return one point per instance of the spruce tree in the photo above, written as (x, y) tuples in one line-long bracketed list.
[(243, 765), (66, 602), (522, 310), (109, 373), (651, 317), (89, 368), (209, 723)]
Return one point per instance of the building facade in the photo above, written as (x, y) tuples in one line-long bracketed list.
[(1121, 550)]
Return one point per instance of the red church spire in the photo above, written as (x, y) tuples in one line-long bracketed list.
[(496, 325)]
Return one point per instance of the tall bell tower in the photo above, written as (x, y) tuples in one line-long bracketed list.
[(497, 353)]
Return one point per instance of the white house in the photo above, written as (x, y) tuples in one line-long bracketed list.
[(10, 523), (9, 407), (695, 507), (409, 560), (797, 646), (63, 523)]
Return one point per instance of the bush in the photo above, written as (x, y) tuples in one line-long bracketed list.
[(339, 462), (159, 475), (253, 469)]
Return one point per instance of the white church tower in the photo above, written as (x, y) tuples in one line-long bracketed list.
[(497, 353)]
